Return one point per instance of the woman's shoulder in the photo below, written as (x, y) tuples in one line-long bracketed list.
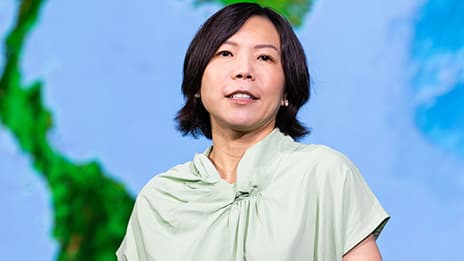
[(170, 180), (319, 154), (319, 162)]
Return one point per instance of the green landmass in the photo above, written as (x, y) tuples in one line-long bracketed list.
[(90, 209), (293, 10)]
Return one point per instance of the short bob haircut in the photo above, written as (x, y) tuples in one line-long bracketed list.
[(193, 118)]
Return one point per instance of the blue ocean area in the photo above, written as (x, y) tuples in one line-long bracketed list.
[(438, 52), (443, 122)]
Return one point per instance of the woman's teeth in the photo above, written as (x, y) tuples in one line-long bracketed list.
[(241, 96)]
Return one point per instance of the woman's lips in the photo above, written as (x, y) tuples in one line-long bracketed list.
[(241, 95), (242, 98)]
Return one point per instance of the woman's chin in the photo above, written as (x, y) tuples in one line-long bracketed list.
[(248, 126)]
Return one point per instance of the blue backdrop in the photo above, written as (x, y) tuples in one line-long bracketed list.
[(388, 91)]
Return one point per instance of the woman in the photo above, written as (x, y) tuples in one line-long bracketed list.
[(255, 194)]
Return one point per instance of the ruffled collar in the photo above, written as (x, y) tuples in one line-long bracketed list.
[(254, 167)]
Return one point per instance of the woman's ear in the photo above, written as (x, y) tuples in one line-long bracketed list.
[(284, 101)]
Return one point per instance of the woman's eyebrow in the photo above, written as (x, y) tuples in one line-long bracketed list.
[(258, 46), (231, 43), (261, 46)]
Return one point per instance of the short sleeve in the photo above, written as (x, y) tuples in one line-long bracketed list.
[(130, 246), (362, 213), (152, 225)]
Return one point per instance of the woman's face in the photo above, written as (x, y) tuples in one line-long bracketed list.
[(242, 86)]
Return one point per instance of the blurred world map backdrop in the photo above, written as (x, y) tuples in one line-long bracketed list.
[(89, 91)]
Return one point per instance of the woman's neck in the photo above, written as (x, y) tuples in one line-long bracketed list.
[(229, 147)]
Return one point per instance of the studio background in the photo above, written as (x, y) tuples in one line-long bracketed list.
[(388, 91)]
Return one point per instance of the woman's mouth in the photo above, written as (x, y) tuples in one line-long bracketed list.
[(242, 96)]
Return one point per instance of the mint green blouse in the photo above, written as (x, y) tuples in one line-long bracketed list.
[(291, 202)]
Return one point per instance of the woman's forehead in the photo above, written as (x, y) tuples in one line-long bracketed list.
[(258, 32)]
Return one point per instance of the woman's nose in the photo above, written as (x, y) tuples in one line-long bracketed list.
[(244, 75), (243, 69)]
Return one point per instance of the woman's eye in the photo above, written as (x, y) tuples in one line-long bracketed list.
[(224, 53), (265, 58)]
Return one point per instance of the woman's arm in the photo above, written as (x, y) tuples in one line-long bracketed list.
[(367, 250)]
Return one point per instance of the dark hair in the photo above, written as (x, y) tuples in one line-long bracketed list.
[(193, 118)]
